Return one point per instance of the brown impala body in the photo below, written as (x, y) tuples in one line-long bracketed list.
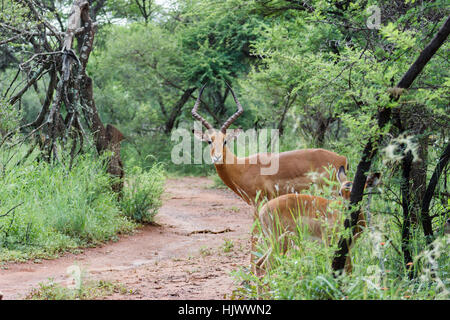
[(244, 175), (321, 217), (294, 174)]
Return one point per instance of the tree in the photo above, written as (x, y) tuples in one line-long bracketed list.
[(383, 117), (64, 56), (158, 65)]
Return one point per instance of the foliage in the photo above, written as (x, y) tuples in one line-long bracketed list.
[(88, 290), (145, 69), (379, 273), (9, 119), (313, 69), (149, 150), (142, 195), (306, 275), (56, 209)]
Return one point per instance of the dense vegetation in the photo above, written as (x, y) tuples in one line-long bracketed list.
[(322, 72)]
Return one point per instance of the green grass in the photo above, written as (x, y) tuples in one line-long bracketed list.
[(217, 183), (46, 209), (379, 272), (89, 290), (227, 246), (378, 268), (142, 195), (57, 209)]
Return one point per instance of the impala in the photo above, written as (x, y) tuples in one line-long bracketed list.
[(244, 175), (321, 217), (447, 227)]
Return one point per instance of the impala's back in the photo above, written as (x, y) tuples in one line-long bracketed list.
[(299, 169)]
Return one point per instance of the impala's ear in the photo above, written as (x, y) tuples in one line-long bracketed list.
[(373, 179), (341, 176), (200, 135), (232, 134)]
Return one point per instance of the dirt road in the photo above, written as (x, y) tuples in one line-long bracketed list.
[(202, 235)]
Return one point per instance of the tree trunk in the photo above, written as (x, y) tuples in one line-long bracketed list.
[(419, 173), (425, 213), (177, 110), (405, 192), (289, 102), (371, 147), (106, 139)]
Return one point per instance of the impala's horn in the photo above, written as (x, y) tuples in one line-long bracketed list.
[(194, 110), (235, 115)]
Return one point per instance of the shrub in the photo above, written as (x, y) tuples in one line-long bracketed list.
[(305, 272), (142, 193), (57, 209)]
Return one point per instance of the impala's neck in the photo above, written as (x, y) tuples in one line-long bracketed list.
[(231, 172), (229, 158), (229, 166)]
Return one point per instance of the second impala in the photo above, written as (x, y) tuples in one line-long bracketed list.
[(321, 217)]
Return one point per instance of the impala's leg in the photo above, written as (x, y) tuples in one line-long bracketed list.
[(265, 262), (254, 240), (261, 264)]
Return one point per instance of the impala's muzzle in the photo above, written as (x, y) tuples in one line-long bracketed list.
[(216, 158)]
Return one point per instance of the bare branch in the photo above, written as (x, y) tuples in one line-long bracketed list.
[(37, 75)]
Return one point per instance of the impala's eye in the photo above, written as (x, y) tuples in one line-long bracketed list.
[(225, 142), (209, 141)]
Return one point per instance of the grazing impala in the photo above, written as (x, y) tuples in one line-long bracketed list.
[(447, 227), (244, 175), (321, 217)]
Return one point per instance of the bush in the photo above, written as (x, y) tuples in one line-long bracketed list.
[(378, 272), (305, 272), (57, 209), (142, 193)]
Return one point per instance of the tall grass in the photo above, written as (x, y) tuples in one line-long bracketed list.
[(57, 209), (378, 265), (142, 194)]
